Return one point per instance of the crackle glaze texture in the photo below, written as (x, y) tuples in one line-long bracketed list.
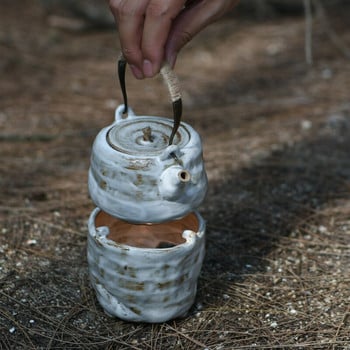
[(144, 284), (135, 176)]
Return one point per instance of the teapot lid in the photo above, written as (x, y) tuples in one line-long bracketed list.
[(145, 136)]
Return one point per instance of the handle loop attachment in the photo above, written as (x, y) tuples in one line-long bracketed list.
[(173, 85)]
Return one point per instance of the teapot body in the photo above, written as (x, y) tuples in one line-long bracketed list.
[(135, 176)]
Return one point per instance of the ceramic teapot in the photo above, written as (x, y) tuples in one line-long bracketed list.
[(147, 169)]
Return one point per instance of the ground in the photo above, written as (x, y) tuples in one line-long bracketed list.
[(276, 136)]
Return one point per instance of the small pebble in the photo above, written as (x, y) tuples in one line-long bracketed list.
[(306, 124), (199, 306), (31, 242), (322, 229), (292, 311)]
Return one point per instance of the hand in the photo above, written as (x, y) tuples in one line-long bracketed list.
[(152, 31)]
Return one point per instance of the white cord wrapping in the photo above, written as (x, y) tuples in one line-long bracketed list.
[(171, 81), (170, 78)]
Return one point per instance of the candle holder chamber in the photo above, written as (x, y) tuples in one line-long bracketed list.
[(146, 240)]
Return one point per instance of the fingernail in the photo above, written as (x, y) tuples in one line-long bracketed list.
[(147, 68), (137, 73)]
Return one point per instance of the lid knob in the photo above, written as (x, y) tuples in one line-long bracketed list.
[(147, 134)]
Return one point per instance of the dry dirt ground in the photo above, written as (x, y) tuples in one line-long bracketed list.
[(276, 136)]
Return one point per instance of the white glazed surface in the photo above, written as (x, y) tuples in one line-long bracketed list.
[(145, 284), (144, 187)]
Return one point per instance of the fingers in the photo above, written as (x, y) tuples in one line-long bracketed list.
[(191, 21), (160, 15), (151, 30), (129, 16), (144, 27)]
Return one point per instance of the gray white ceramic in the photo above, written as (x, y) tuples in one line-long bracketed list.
[(135, 176), (143, 283)]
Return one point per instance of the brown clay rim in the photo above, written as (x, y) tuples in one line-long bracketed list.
[(163, 235)]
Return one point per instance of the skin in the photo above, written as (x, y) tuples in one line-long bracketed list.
[(151, 31)]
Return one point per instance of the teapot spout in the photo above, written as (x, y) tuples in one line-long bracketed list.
[(173, 182), (184, 176)]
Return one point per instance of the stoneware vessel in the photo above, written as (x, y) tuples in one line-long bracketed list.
[(136, 176), (146, 239), (145, 273)]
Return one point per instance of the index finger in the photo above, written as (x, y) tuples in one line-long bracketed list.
[(159, 17), (129, 16)]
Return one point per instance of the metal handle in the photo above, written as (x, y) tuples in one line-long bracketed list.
[(173, 85)]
